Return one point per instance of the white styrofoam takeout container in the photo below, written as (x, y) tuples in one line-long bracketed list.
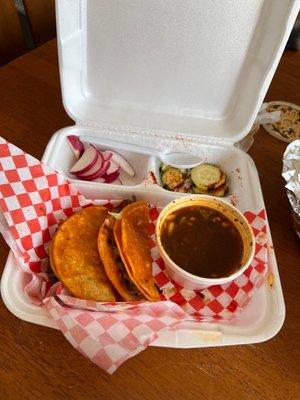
[(178, 75)]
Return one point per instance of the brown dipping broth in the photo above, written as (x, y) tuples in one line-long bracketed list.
[(202, 241)]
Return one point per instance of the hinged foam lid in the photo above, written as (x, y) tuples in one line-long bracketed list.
[(187, 66)]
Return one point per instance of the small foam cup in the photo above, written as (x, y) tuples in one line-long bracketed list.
[(194, 282)]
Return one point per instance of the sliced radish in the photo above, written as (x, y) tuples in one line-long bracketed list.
[(76, 145), (86, 161), (124, 164), (109, 178), (106, 154), (100, 180), (94, 171), (114, 167), (92, 174), (104, 168)]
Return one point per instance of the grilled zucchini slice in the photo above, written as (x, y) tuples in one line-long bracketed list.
[(200, 190), (220, 192), (206, 175), (164, 167), (222, 182), (171, 178)]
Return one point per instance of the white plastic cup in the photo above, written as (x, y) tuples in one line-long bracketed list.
[(186, 279)]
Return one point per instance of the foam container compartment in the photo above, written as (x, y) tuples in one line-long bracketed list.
[(260, 320), (173, 75)]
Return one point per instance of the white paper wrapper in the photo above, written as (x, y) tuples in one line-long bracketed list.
[(291, 173), (34, 199)]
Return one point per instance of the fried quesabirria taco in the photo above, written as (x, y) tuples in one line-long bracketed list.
[(113, 262), (132, 239), (74, 256)]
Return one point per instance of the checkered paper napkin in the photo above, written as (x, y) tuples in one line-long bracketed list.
[(34, 199)]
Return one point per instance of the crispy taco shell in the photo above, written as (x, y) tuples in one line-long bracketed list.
[(75, 259), (132, 238), (113, 263)]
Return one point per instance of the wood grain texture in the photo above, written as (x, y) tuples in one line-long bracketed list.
[(37, 362), (12, 43), (41, 18)]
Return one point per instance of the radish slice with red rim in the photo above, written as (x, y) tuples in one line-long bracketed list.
[(86, 161), (106, 154), (94, 169), (76, 145), (114, 167), (124, 164), (100, 180), (110, 178), (104, 168), (92, 172), (97, 171)]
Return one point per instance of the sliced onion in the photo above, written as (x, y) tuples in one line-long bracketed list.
[(76, 145), (86, 161)]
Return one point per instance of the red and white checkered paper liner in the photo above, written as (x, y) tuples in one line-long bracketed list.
[(34, 199)]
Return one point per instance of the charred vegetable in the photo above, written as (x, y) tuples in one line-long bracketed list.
[(171, 178), (202, 179), (209, 179), (206, 175)]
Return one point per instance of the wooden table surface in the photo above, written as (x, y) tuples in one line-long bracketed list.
[(38, 363)]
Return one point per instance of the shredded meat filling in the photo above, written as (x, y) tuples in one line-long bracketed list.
[(131, 287)]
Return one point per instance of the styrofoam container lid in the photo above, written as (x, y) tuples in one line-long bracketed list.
[(194, 67)]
